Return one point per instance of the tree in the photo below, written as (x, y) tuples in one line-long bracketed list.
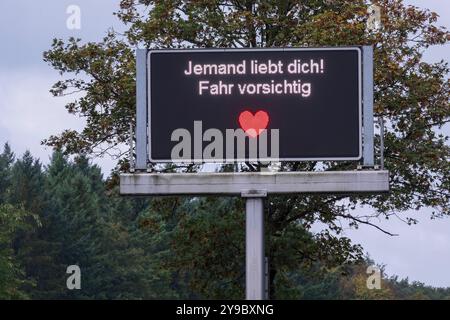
[(410, 94), (26, 187), (33, 247), (12, 275), (6, 161)]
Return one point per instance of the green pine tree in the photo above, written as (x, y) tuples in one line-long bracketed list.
[(6, 162)]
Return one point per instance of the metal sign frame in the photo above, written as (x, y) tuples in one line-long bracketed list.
[(142, 129), (258, 184)]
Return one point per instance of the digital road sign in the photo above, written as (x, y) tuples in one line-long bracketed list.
[(225, 105)]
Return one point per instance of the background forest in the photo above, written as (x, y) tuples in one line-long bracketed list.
[(134, 248)]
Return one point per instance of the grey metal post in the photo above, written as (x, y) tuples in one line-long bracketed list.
[(141, 109), (381, 142), (368, 156), (131, 142), (255, 259)]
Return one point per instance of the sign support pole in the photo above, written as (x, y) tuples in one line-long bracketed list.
[(368, 157), (254, 248), (141, 110)]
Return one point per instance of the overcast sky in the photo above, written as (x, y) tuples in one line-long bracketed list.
[(28, 114)]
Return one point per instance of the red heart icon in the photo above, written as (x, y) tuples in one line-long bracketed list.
[(253, 125)]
